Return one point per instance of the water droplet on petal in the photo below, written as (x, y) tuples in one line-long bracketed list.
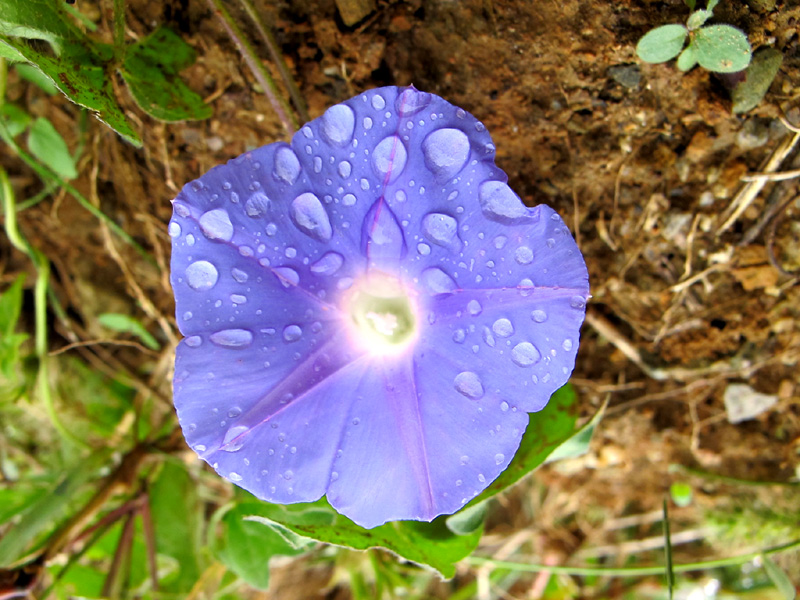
[(539, 316), (500, 242), (503, 327), (499, 203), (201, 275), (292, 333), (504, 406), (239, 275), (474, 307), (345, 168), (459, 335), (498, 459), (411, 101), (216, 225), (234, 476), (381, 235), (348, 200), (525, 354), (446, 151), (567, 345), (469, 384), (423, 249), (174, 229), (232, 338), (437, 281), (389, 157), (578, 302), (287, 276), (193, 341), (287, 165), (328, 264), (442, 229), (378, 103), (234, 438), (338, 124), (523, 255), (311, 218), (238, 298), (234, 412), (256, 205)]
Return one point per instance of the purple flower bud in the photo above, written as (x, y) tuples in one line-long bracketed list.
[(370, 312)]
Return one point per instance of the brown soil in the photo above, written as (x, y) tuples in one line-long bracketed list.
[(644, 163)]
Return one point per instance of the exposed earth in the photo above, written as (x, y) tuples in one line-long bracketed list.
[(695, 284)]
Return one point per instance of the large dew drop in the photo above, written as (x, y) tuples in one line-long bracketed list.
[(216, 225), (328, 264), (338, 124), (525, 354), (256, 205), (381, 235), (201, 275), (469, 384), (446, 151), (287, 165), (232, 338), (311, 218), (500, 203), (234, 439), (437, 281), (442, 229), (503, 328), (410, 101), (389, 158)]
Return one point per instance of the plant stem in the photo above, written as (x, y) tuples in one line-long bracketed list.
[(119, 26), (631, 571), (277, 58), (261, 74), (3, 80)]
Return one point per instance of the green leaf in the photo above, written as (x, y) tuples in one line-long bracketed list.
[(547, 430), (247, 546), (127, 324), (687, 58), (36, 77), (690, 3), (681, 493), (722, 49), (11, 306), (759, 75), (468, 520), (37, 19), (46, 144), (151, 70), (80, 73), (14, 118), (698, 18), (662, 43), (779, 578), (176, 512), (431, 544), (712, 4), (578, 443)]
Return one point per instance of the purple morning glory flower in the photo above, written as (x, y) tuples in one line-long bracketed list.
[(370, 312)]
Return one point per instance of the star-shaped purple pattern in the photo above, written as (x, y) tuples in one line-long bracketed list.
[(271, 387)]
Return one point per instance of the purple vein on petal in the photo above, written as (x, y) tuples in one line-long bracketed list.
[(298, 384)]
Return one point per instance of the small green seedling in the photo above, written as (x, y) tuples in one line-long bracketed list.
[(718, 48)]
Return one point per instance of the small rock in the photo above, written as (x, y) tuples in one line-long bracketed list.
[(754, 134), (628, 76), (743, 403)]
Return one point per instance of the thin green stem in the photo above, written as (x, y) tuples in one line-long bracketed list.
[(277, 58), (478, 561), (260, 72), (40, 290), (3, 80)]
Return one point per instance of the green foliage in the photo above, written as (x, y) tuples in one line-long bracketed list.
[(758, 78), (82, 68), (681, 494), (718, 48), (11, 376), (46, 144), (127, 324), (779, 578)]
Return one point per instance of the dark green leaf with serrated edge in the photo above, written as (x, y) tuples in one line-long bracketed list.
[(662, 43), (722, 49), (176, 512), (79, 72), (687, 58), (151, 69), (759, 76), (431, 544), (46, 144), (779, 578)]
